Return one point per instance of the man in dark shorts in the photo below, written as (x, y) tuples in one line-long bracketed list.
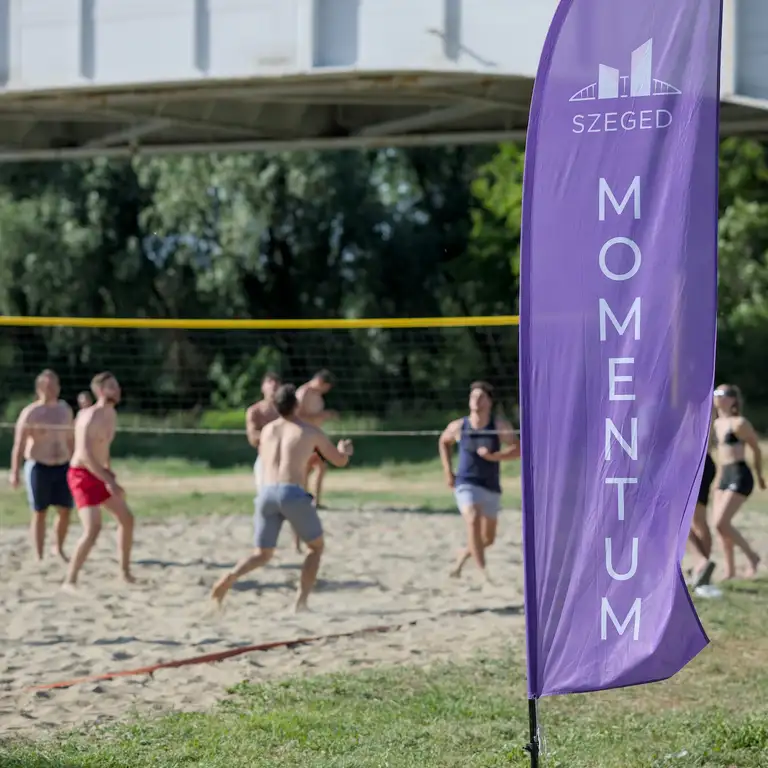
[(44, 441), (257, 417), (285, 447)]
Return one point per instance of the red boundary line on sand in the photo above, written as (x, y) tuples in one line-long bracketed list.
[(210, 658), (219, 656)]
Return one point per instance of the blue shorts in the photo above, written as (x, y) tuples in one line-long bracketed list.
[(488, 502), (47, 486), (278, 503)]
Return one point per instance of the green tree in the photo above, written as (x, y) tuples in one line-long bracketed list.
[(743, 297), (346, 234), (262, 236), (71, 245)]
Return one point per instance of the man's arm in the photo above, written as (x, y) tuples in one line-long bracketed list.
[(445, 448), (70, 430), (253, 426), (338, 455), (508, 438), (20, 437)]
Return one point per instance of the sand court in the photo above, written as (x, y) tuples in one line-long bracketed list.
[(380, 568)]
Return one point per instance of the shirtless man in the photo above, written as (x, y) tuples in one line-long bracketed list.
[(480, 438), (286, 445), (312, 410), (43, 441), (256, 418), (93, 483), (259, 415), (84, 400)]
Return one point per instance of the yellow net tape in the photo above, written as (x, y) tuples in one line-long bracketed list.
[(259, 325)]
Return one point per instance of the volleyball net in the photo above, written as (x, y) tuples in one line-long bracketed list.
[(396, 377)]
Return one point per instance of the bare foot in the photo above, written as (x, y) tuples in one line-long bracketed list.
[(301, 605), (70, 588), (220, 589), (455, 573), (129, 578), (754, 562)]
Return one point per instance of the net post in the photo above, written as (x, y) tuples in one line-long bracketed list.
[(533, 747)]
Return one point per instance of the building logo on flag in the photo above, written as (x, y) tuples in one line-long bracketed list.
[(611, 84)]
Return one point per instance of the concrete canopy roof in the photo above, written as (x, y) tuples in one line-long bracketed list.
[(324, 110)]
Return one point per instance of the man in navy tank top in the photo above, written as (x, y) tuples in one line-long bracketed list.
[(483, 442)]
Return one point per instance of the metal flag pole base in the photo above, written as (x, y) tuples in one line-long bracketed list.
[(532, 747)]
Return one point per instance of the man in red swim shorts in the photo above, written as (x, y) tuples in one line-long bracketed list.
[(93, 483)]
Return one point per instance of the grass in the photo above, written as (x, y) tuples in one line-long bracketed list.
[(162, 488), (714, 714), (173, 487), (426, 419), (175, 467), (218, 450), (225, 452)]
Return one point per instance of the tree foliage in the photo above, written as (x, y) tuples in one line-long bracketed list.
[(394, 233), (343, 234)]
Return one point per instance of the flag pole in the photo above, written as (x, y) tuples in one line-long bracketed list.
[(533, 724)]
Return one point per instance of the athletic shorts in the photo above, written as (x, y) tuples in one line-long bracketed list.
[(277, 503), (489, 502), (47, 485), (738, 478), (706, 480), (87, 489)]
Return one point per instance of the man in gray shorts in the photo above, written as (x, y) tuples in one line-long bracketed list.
[(285, 448)]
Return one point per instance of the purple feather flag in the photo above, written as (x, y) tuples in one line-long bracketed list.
[(617, 336)]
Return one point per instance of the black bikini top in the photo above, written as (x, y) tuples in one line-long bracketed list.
[(729, 438)]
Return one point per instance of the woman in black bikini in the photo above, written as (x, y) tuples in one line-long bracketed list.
[(732, 434)]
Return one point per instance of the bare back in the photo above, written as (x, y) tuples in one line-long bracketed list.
[(286, 448), (94, 432), (47, 432)]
